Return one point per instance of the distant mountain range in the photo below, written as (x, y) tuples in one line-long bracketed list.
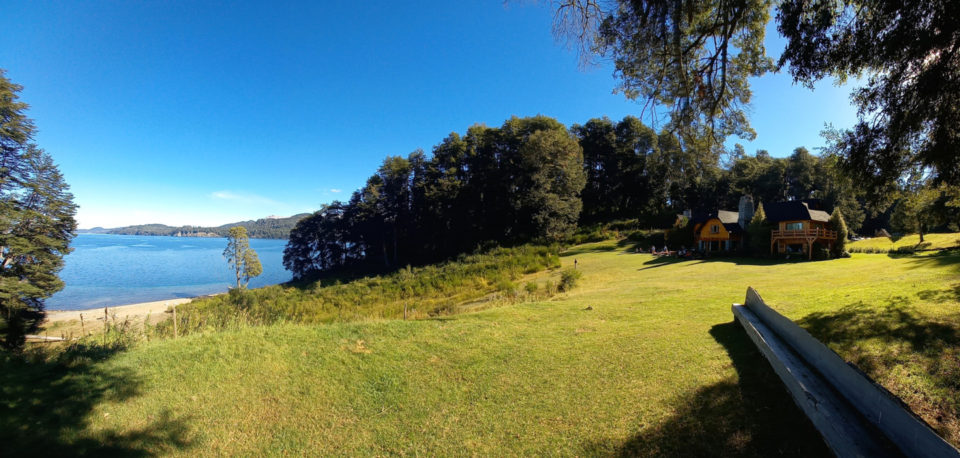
[(271, 227)]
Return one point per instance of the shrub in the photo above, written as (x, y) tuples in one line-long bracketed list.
[(820, 253), (531, 287), (550, 287), (505, 286), (436, 289), (569, 279), (648, 238), (681, 234)]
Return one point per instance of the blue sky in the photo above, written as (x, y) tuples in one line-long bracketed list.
[(213, 112)]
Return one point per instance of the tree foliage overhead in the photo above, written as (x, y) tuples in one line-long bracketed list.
[(910, 106), (36, 222), (694, 58)]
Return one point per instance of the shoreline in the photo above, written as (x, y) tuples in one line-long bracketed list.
[(121, 311)]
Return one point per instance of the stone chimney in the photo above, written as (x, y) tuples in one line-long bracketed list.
[(745, 211)]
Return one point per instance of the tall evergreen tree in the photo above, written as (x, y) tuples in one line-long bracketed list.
[(36, 222), (839, 225), (758, 232)]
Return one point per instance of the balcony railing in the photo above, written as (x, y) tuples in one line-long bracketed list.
[(804, 233)]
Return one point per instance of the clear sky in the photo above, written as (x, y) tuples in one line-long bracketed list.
[(211, 112)]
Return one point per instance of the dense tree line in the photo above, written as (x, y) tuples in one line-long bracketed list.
[(634, 172), (532, 179), (509, 184)]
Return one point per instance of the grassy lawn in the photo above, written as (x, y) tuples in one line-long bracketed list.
[(642, 358), (930, 242)]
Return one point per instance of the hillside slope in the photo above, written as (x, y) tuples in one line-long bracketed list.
[(643, 358)]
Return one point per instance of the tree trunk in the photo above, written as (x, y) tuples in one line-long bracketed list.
[(386, 257), (236, 257), (396, 258)]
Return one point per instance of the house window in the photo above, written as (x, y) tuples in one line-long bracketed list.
[(715, 229), (794, 226)]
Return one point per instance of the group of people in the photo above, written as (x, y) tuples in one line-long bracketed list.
[(683, 252)]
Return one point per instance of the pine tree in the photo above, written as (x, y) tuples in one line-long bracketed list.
[(242, 258), (839, 225), (758, 232), (36, 222)]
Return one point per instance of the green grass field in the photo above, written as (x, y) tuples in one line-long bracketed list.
[(930, 242), (642, 358)]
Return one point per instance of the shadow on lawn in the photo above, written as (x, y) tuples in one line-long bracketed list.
[(897, 341), (589, 248), (45, 404), (949, 257), (740, 261), (750, 415)]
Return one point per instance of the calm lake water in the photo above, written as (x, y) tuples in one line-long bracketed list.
[(107, 270)]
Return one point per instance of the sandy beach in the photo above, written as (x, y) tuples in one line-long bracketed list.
[(155, 308)]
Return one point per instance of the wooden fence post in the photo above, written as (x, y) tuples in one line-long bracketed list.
[(174, 321)]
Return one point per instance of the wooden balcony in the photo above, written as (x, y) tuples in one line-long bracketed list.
[(813, 233)]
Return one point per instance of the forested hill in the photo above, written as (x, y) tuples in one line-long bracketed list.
[(264, 228)]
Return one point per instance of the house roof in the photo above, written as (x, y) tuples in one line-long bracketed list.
[(728, 218), (725, 216), (793, 211)]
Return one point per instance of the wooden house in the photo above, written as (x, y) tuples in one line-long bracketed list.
[(717, 231), (798, 225)]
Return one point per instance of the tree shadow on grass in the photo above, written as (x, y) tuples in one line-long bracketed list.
[(46, 403), (740, 261), (939, 258), (589, 248), (896, 341), (748, 415)]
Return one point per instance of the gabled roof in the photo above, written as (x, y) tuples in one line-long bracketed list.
[(726, 217), (793, 211)]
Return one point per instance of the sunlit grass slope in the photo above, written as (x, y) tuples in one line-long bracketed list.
[(642, 358), (930, 242)]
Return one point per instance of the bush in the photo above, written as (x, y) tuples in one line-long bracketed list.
[(505, 286), (681, 234), (550, 287), (820, 253), (569, 279), (436, 289), (531, 287), (648, 238)]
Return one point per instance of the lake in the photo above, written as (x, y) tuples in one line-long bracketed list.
[(108, 270)]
